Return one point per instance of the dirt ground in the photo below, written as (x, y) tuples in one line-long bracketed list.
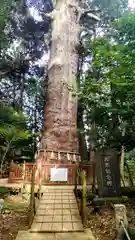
[(102, 222), (10, 224), (100, 219), (14, 218)]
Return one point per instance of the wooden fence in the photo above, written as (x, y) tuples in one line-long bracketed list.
[(18, 173)]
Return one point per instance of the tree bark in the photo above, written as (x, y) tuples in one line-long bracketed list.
[(60, 128), (114, 131), (80, 111), (81, 135), (22, 80), (122, 163), (4, 156)]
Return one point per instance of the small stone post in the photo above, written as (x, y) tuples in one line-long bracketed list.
[(120, 214)]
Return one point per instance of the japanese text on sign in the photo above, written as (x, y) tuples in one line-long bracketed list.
[(108, 172)]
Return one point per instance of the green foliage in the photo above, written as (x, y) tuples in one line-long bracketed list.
[(108, 91), (27, 94), (111, 9), (14, 136), (9, 116), (11, 134), (129, 156), (4, 190), (19, 87), (5, 10), (125, 28)]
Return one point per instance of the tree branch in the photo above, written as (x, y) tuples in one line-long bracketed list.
[(51, 15), (89, 14)]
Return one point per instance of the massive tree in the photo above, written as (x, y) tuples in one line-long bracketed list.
[(60, 129)]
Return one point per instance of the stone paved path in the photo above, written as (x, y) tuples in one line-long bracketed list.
[(57, 212), (26, 235)]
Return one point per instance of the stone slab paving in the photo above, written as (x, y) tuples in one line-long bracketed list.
[(26, 235), (57, 212)]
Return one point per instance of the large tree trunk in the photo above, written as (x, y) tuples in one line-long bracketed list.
[(60, 129), (80, 123), (81, 135)]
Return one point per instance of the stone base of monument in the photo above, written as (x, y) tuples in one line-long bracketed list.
[(128, 191), (109, 200)]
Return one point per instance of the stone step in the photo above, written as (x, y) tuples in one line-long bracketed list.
[(57, 212), (27, 235), (57, 227)]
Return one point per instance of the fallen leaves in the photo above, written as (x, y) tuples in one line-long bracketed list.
[(13, 218), (102, 223)]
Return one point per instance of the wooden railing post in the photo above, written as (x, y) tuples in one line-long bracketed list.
[(40, 179), (23, 179), (32, 197), (40, 186), (83, 205), (76, 180), (94, 177), (10, 171)]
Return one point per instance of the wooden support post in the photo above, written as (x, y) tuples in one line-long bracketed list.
[(23, 180), (94, 178), (122, 181), (121, 219), (52, 155), (83, 205), (131, 182), (40, 182), (39, 193), (59, 157), (10, 171), (74, 158), (68, 157), (76, 180), (32, 198), (122, 163)]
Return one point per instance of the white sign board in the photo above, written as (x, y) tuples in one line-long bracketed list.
[(59, 175)]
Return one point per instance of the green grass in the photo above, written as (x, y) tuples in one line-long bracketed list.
[(4, 190), (15, 206), (12, 205)]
